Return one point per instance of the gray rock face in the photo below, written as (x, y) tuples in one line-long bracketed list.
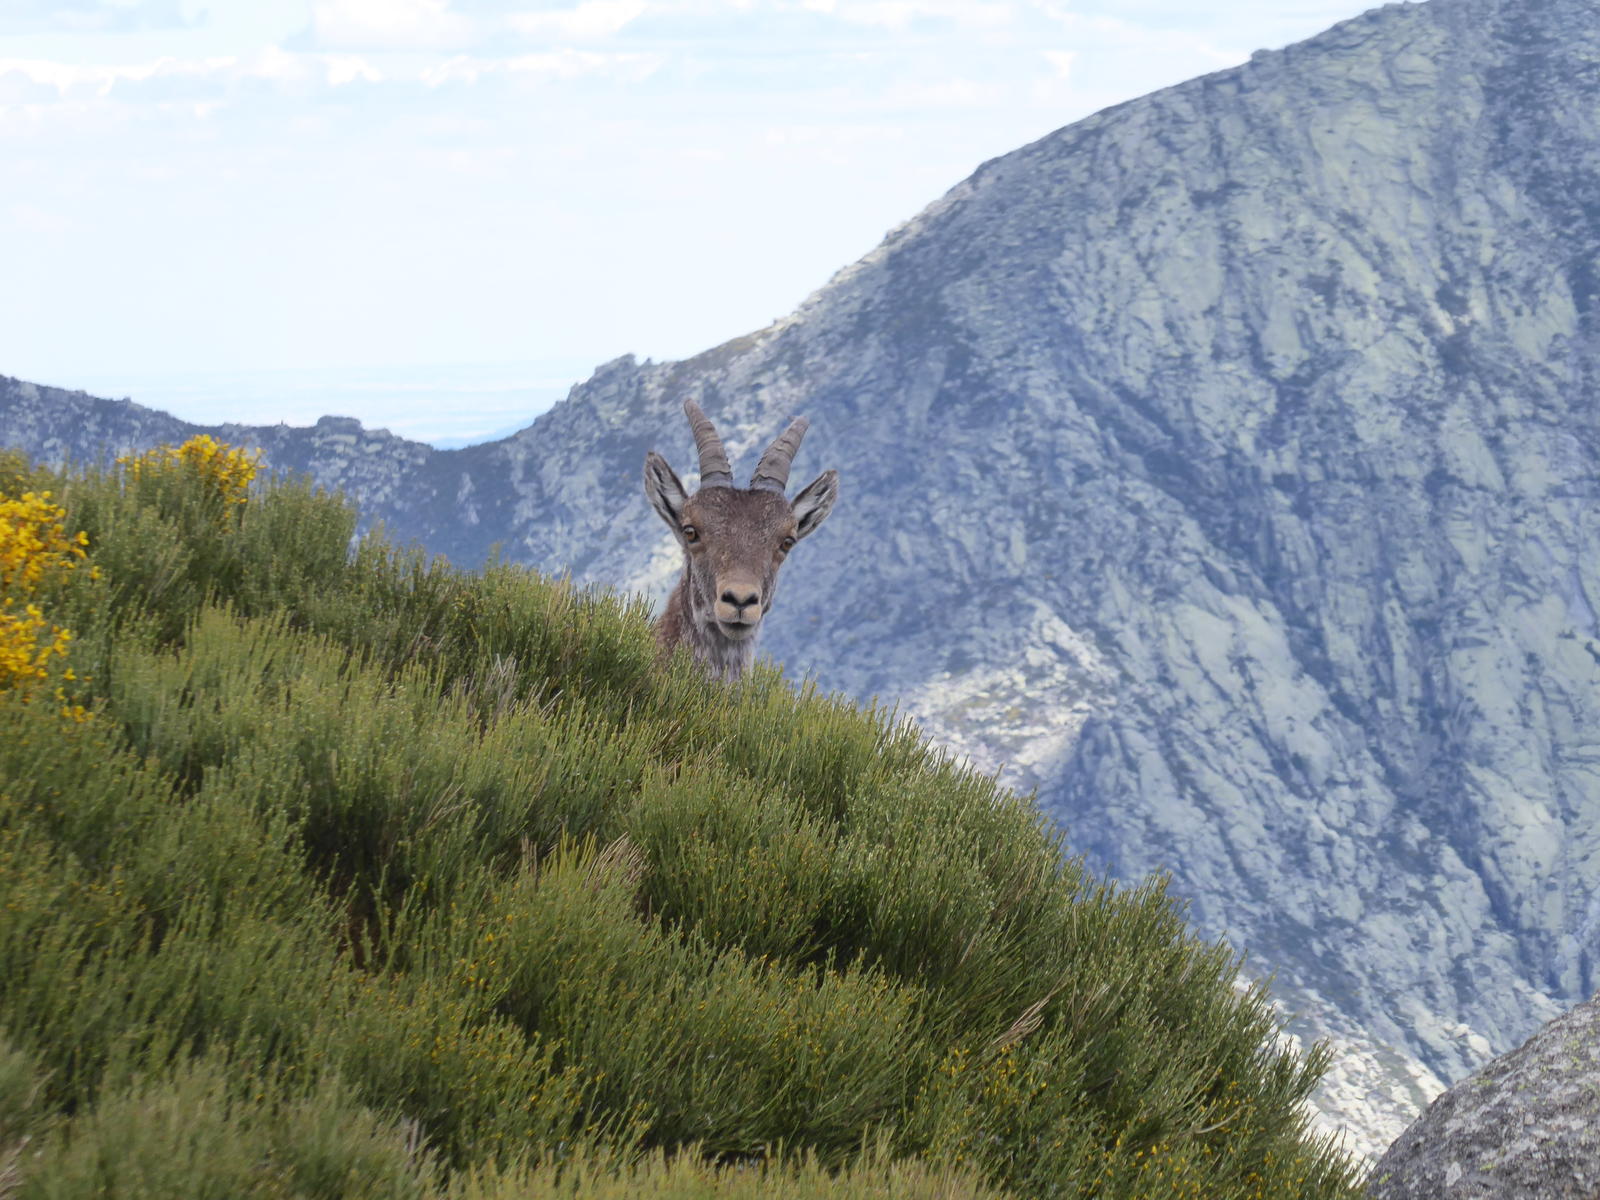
[(1525, 1127), (1225, 467)]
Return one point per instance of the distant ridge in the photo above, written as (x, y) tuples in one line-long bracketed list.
[(392, 478)]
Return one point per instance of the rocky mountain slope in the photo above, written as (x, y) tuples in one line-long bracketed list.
[(1225, 467), (1525, 1127)]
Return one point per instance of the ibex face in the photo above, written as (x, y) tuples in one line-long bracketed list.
[(734, 540)]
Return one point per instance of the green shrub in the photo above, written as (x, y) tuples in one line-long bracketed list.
[(687, 1175), (370, 876), (211, 1131)]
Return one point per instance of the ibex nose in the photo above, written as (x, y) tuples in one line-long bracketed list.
[(743, 598)]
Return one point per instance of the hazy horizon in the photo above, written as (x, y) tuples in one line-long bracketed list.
[(446, 405)]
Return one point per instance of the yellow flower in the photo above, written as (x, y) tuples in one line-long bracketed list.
[(227, 470), (34, 546), (33, 542), (23, 656)]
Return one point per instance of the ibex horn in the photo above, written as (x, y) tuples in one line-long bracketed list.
[(714, 468), (772, 472)]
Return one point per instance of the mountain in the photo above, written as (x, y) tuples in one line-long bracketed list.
[(1225, 467)]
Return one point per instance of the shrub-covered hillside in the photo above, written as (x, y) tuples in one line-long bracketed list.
[(347, 874)]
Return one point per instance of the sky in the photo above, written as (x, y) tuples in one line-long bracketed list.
[(437, 214)]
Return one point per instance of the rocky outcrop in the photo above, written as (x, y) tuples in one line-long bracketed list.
[(1224, 467), (1525, 1127)]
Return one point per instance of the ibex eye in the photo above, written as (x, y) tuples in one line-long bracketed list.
[(691, 534), (787, 544)]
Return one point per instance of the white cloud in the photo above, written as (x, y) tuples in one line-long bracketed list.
[(30, 218), (90, 16), (942, 93), (591, 19), (1061, 62), (347, 68), (278, 66), (1132, 41), (460, 68), (99, 78), (570, 64), (563, 64), (391, 25), (200, 86), (901, 14)]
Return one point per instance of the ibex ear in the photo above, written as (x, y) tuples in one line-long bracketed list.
[(665, 489), (815, 503)]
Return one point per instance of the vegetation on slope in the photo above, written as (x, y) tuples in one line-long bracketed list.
[(365, 876)]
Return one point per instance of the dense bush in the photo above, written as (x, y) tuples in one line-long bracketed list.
[(367, 876)]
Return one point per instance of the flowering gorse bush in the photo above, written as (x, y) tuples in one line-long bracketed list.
[(34, 548), (227, 470), (34, 543), (27, 644)]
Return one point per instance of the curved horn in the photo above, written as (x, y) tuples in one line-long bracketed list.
[(714, 468), (772, 472)]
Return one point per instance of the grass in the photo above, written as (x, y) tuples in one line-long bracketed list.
[(328, 870)]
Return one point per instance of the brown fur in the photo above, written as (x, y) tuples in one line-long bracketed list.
[(734, 541)]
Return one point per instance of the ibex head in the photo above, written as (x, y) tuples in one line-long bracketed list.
[(734, 540)]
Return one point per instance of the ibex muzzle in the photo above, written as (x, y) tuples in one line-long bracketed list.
[(734, 540)]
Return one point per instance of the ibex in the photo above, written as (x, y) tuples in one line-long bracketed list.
[(734, 540)]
